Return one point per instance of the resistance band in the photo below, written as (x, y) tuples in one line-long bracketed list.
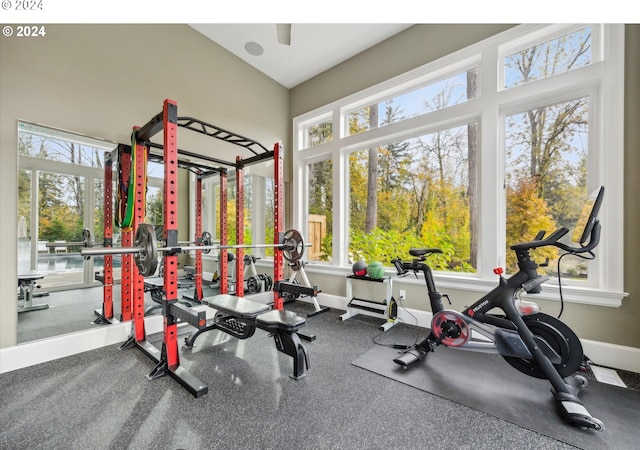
[(126, 222)]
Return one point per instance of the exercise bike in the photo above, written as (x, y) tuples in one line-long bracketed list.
[(534, 343)]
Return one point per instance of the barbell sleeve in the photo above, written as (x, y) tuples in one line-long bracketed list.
[(111, 251)]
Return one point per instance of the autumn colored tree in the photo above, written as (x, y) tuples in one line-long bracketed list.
[(527, 214), (426, 186), (545, 147)]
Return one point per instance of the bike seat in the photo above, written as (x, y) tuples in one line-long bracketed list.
[(418, 252)]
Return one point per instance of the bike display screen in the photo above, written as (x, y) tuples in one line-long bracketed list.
[(588, 216)]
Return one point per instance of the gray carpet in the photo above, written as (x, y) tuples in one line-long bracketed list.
[(102, 400), (485, 382)]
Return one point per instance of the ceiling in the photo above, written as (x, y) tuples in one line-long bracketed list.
[(313, 48)]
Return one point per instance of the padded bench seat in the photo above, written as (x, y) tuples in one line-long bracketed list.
[(236, 306), (157, 283), (280, 320)]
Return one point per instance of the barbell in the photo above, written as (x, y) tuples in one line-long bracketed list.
[(86, 242), (206, 240), (146, 248)]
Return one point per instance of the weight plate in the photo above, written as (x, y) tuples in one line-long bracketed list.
[(292, 245), (269, 282), (207, 240), (263, 281), (147, 259), (87, 238), (253, 285)]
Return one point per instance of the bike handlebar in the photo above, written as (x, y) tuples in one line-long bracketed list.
[(594, 239), (540, 242)]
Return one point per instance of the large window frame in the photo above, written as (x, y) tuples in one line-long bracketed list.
[(602, 80)]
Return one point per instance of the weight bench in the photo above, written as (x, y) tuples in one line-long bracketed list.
[(27, 284), (240, 317), (155, 286)]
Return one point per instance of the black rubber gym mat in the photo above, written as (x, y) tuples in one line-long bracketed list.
[(486, 383)]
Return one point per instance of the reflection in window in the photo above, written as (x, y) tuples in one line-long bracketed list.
[(24, 221), (57, 145), (155, 204), (61, 192), (259, 202)]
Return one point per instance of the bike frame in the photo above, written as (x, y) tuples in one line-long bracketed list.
[(477, 317), (500, 331)]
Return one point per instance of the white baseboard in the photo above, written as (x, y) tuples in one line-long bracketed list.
[(43, 350), (612, 355), (37, 352)]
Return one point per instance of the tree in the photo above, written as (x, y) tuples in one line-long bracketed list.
[(547, 145), (371, 219), (472, 151), (527, 214)]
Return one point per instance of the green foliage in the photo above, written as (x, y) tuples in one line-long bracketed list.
[(326, 247), (384, 246), (527, 214), (320, 190), (61, 224), (154, 213)]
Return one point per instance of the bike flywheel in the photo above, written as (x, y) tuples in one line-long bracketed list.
[(559, 337)]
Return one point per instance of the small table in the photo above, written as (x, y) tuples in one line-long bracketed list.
[(27, 283)]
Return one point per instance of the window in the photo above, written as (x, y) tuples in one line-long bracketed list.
[(528, 121), (567, 52), (259, 201), (60, 192), (410, 193), (546, 154), (438, 95), (316, 132), (320, 207), (58, 145)]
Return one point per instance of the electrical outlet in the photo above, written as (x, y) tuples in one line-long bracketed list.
[(403, 294)]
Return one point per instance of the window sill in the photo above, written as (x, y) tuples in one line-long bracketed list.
[(550, 291), (570, 294)]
